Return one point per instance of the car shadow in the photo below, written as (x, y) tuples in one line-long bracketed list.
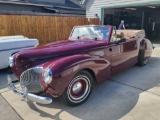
[(111, 103), (4, 78), (112, 99)]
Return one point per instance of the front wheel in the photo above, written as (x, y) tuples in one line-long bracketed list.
[(78, 90)]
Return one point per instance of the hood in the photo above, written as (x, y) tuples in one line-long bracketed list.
[(56, 49)]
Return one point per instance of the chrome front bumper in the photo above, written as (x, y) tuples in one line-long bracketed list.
[(28, 96)]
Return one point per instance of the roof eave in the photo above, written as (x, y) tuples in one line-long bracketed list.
[(66, 11), (27, 4)]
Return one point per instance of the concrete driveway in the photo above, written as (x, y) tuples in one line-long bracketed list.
[(129, 95)]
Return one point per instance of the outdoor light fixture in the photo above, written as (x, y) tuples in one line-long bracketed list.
[(131, 8), (96, 15)]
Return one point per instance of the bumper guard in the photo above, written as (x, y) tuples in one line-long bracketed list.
[(28, 96)]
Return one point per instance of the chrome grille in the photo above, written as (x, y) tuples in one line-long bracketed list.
[(31, 80)]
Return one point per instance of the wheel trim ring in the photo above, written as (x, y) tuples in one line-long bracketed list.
[(87, 91)]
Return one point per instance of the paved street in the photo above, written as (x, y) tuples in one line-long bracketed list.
[(133, 94)]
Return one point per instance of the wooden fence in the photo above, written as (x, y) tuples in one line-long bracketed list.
[(45, 28)]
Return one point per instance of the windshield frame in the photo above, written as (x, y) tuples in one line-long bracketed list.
[(106, 26)]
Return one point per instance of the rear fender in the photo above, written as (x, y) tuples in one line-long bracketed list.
[(146, 48), (64, 69)]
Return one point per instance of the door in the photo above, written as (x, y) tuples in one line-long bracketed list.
[(129, 52), (128, 56), (113, 53), (122, 55)]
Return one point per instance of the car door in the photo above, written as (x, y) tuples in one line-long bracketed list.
[(121, 54), (113, 53), (129, 51)]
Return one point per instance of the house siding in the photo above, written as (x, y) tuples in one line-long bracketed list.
[(94, 6)]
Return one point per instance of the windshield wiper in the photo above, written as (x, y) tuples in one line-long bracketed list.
[(81, 36), (94, 37)]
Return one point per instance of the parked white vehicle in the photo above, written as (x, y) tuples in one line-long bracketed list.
[(12, 44)]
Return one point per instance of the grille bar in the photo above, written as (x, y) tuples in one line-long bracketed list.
[(31, 80)]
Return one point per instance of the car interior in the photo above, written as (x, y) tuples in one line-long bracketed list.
[(119, 36)]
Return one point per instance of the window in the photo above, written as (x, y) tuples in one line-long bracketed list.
[(100, 33)]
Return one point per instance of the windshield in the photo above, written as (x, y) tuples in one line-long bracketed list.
[(91, 32)]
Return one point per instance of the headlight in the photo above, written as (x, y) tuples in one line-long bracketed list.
[(11, 61), (47, 75)]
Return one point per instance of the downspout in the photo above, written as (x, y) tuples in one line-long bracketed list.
[(83, 2), (102, 16)]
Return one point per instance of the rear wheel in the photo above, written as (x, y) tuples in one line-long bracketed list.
[(142, 60), (78, 90)]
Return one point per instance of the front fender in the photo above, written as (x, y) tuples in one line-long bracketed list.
[(64, 69)]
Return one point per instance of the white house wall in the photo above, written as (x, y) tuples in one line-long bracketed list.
[(94, 6)]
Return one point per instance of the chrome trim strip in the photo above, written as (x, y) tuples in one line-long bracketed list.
[(15, 48)]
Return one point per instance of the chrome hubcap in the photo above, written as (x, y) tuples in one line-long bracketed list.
[(77, 87)]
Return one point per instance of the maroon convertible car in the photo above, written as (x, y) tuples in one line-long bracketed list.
[(68, 69)]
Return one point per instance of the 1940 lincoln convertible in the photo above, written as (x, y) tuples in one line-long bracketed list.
[(68, 69)]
